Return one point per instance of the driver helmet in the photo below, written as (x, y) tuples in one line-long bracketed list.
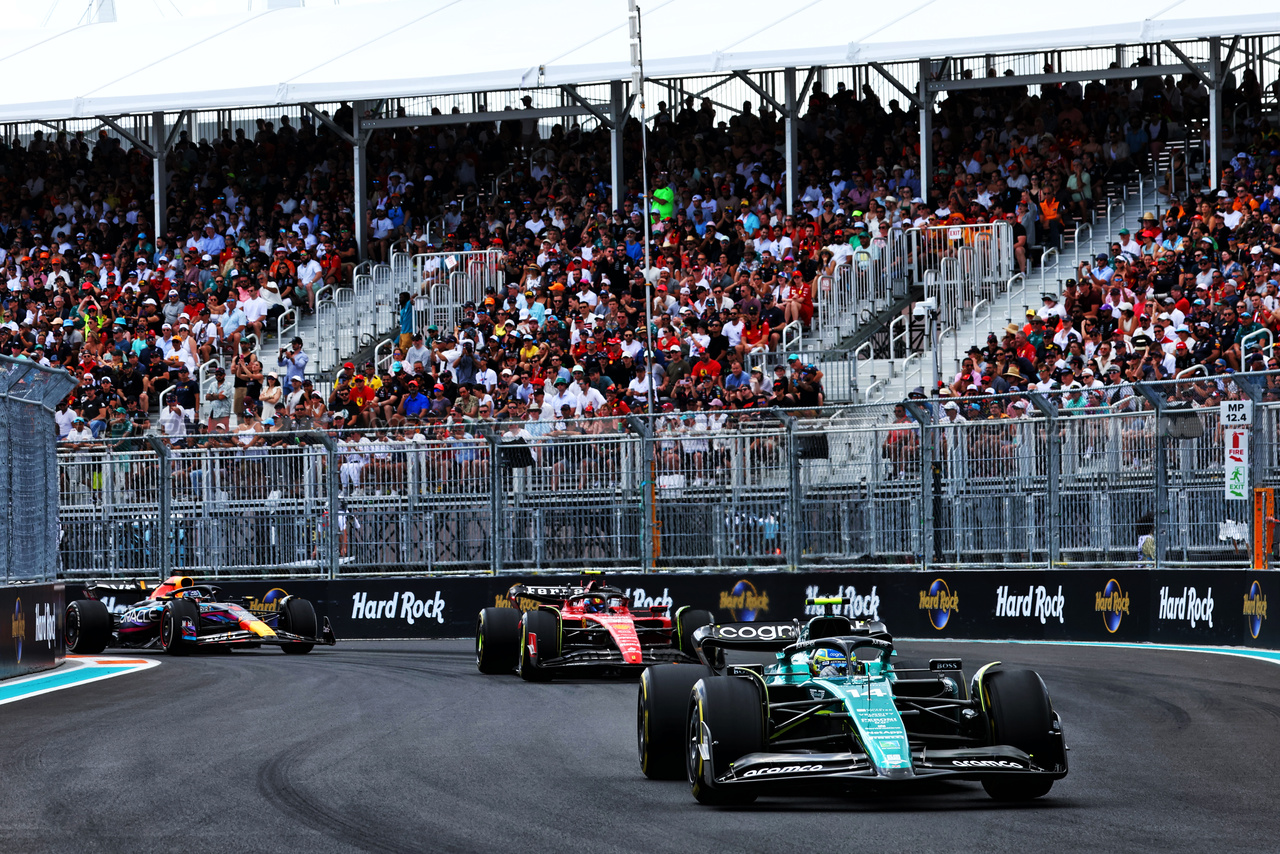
[(594, 605), (828, 662)]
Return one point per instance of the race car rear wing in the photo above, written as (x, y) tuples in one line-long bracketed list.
[(544, 593), (762, 637)]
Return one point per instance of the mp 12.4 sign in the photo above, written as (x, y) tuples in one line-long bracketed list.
[(1236, 413)]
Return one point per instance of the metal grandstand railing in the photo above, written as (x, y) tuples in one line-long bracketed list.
[(1120, 476)]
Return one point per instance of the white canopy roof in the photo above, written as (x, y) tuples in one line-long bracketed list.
[(428, 47)]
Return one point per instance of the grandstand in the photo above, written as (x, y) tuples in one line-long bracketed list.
[(853, 211)]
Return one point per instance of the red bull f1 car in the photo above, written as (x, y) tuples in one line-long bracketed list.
[(584, 630), (832, 713), (180, 616)]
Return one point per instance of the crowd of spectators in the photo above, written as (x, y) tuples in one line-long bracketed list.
[(257, 223)]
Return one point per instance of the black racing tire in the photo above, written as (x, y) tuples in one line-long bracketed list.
[(88, 627), (687, 621), (175, 612), (298, 617), (732, 710), (660, 720), (1021, 716), (544, 626), (497, 640)]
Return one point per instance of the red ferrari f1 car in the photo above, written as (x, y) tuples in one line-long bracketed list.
[(585, 630)]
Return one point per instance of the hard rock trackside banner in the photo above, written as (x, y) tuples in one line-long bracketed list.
[(1211, 607), (30, 628)]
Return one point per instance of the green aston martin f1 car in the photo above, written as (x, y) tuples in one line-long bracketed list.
[(833, 713)]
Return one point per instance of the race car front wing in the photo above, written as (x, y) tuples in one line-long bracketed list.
[(851, 769), (601, 659), (277, 638)]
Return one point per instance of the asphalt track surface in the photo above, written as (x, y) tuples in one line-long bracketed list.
[(403, 746)]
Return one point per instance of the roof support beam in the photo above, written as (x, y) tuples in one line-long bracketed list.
[(177, 128), (1231, 52), (924, 103), (159, 176), (715, 85), (896, 83), (1215, 112), (1059, 77), (1186, 60), (144, 147), (759, 90), (791, 121), (803, 94), (601, 115), (360, 179), (1265, 56), (619, 108), (342, 132), (468, 118)]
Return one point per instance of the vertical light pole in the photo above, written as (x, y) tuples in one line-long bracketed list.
[(637, 86)]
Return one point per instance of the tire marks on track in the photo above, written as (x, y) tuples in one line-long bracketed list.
[(288, 784)]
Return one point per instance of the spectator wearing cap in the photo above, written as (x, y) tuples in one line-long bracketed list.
[(676, 368), (582, 396), (173, 420), (174, 308), (233, 321), (79, 432), (418, 351), (294, 361)]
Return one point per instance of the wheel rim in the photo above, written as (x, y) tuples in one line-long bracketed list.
[(642, 724), (480, 642), (166, 628), (72, 627), (693, 759)]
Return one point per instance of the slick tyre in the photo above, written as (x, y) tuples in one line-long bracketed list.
[(298, 617), (688, 620), (171, 619), (726, 720), (1021, 715), (87, 627), (660, 720), (539, 630), (497, 640)]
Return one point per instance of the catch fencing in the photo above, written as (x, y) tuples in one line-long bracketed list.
[(29, 468), (1129, 477)]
